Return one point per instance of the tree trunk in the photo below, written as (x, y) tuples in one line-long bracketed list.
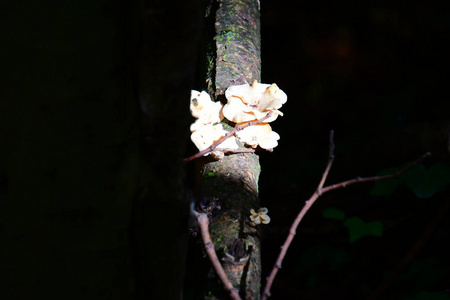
[(229, 188)]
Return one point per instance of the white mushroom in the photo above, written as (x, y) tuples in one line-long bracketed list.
[(245, 103), (204, 109), (260, 134), (252, 102), (208, 134), (260, 216)]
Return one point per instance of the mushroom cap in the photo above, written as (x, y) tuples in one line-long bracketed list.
[(252, 102), (263, 210), (204, 109), (265, 219), (208, 134), (260, 134), (260, 216)]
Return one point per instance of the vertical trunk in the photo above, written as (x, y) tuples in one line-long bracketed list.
[(230, 186)]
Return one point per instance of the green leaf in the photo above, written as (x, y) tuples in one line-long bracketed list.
[(416, 179), (425, 183), (358, 229), (388, 186), (439, 175), (333, 213), (374, 228)]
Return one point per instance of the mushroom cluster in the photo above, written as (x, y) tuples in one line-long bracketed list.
[(245, 103), (259, 217)]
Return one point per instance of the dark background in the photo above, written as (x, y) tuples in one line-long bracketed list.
[(375, 72), (92, 118)]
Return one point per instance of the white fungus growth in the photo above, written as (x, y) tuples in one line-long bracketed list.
[(260, 217), (209, 134), (261, 135), (204, 109), (245, 103), (252, 102)]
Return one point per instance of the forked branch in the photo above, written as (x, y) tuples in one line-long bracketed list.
[(320, 191)]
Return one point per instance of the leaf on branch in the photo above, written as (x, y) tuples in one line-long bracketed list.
[(333, 213), (388, 186), (358, 229), (424, 183)]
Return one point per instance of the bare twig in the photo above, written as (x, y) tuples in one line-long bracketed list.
[(209, 247), (320, 191), (330, 161), (375, 178), (231, 133)]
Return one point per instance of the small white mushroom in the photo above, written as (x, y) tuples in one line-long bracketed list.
[(261, 135), (260, 216)]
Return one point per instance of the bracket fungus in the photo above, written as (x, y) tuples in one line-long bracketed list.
[(209, 134), (261, 135), (260, 217), (252, 102), (204, 109), (245, 103)]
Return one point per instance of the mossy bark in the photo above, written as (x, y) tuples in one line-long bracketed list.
[(238, 43), (230, 186)]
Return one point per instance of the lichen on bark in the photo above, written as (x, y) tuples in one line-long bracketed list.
[(238, 59)]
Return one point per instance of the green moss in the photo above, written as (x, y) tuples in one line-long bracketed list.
[(231, 13), (227, 126), (226, 36), (210, 175)]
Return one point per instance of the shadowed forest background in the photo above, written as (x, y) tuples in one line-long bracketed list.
[(94, 121)]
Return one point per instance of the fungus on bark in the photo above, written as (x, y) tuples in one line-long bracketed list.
[(260, 217), (252, 102), (245, 103)]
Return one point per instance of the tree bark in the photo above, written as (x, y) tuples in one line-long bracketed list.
[(229, 187)]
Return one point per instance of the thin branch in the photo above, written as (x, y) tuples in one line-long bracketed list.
[(375, 178), (229, 134), (209, 247), (320, 191), (330, 161)]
